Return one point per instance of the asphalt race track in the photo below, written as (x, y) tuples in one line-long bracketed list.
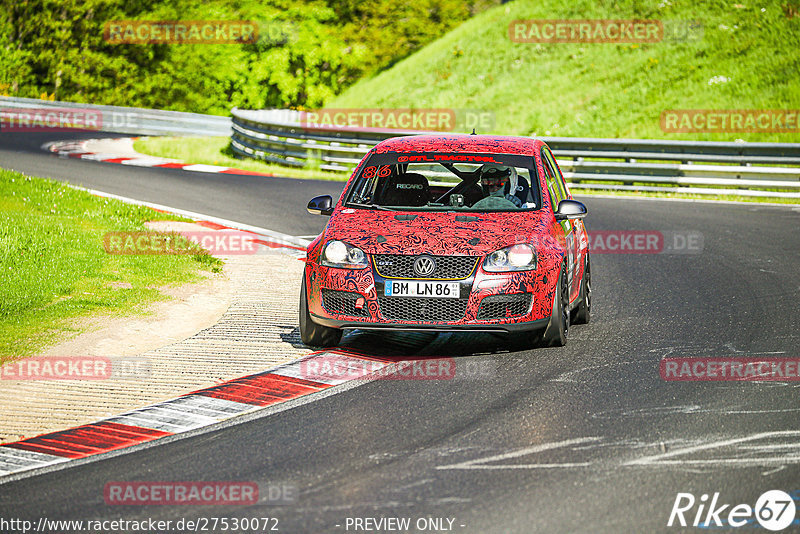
[(585, 438)]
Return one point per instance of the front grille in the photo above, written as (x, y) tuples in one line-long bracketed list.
[(502, 306), (422, 309), (343, 302), (447, 267)]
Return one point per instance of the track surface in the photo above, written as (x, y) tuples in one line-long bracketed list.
[(556, 440)]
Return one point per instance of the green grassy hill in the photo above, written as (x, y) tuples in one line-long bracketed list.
[(306, 51), (748, 57)]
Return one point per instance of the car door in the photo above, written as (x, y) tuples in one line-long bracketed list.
[(558, 192)]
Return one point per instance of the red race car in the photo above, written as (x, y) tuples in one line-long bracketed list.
[(450, 233)]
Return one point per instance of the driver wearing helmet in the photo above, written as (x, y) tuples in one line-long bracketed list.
[(494, 179)]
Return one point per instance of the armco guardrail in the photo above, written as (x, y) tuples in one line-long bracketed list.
[(747, 169), (132, 120)]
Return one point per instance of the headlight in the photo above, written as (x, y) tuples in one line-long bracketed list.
[(519, 257), (340, 254)]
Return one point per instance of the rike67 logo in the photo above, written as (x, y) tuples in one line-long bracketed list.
[(774, 510)]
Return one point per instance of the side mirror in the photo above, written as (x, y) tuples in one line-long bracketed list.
[(570, 209), (322, 205)]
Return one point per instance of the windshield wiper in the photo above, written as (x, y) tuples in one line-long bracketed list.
[(373, 206)]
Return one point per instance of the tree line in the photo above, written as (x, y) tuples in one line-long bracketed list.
[(306, 53)]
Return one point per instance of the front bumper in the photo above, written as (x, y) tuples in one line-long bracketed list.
[(374, 312), (509, 328)]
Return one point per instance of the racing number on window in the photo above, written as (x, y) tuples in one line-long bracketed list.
[(369, 172), (367, 191)]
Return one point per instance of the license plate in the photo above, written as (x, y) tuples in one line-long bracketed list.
[(414, 288)]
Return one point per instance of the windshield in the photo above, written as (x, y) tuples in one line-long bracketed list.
[(446, 182)]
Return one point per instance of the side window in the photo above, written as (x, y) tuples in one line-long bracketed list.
[(556, 195), (560, 177)]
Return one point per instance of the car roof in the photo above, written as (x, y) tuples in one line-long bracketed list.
[(491, 144)]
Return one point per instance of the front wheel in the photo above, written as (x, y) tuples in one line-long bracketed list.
[(311, 333), (555, 335)]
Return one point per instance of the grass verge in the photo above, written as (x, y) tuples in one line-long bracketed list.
[(216, 151), (53, 268)]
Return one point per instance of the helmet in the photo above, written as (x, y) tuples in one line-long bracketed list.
[(489, 169)]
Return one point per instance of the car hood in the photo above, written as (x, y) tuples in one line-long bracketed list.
[(448, 233)]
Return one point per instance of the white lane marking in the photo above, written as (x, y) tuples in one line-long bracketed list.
[(517, 466), (422, 482), (775, 455), (773, 471), (480, 462), (450, 500), (276, 236), (666, 458), (771, 447), (750, 352), (777, 410), (146, 161), (658, 411), (199, 167), (100, 156), (747, 462)]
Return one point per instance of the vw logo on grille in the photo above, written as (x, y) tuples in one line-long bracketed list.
[(424, 266)]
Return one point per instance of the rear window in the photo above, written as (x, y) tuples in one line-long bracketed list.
[(446, 182)]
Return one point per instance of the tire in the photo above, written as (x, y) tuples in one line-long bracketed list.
[(555, 335), (583, 312), (311, 333)]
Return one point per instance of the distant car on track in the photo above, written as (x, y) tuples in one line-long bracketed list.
[(450, 233)]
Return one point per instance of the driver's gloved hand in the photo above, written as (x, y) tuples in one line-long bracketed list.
[(515, 199)]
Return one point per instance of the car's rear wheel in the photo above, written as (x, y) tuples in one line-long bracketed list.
[(555, 335), (583, 312), (311, 333)]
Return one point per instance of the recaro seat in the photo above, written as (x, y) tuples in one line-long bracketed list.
[(410, 189)]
